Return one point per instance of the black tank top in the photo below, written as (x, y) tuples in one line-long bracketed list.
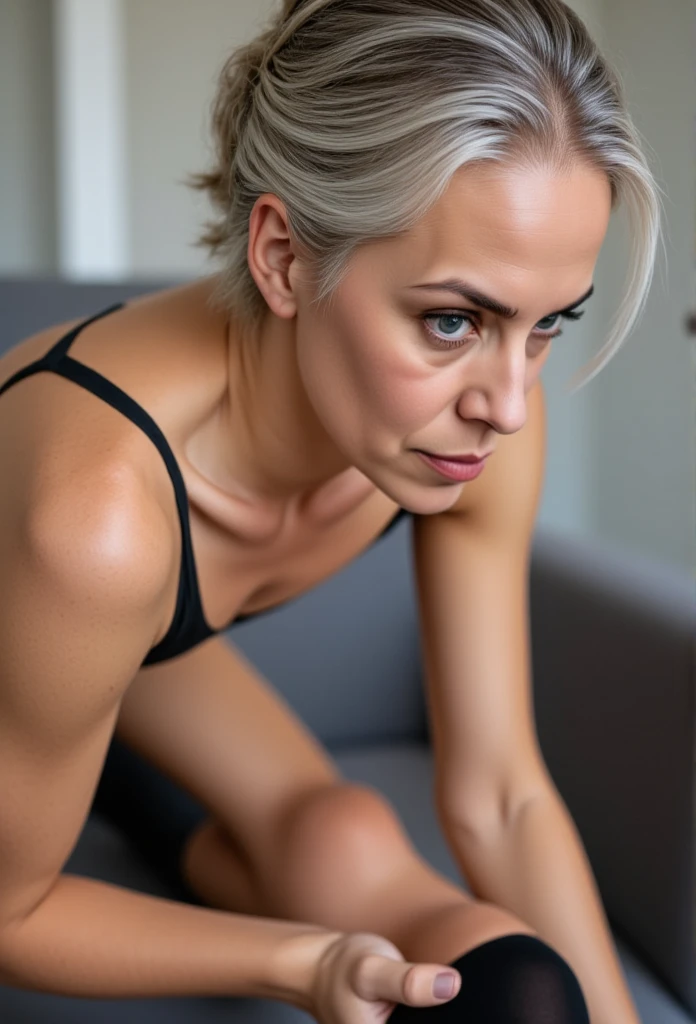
[(189, 626)]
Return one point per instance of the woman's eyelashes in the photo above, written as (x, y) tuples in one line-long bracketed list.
[(452, 337)]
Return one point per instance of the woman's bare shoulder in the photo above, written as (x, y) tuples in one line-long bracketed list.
[(69, 457), (82, 483), (80, 505), (174, 313)]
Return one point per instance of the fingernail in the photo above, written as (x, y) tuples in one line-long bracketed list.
[(443, 986)]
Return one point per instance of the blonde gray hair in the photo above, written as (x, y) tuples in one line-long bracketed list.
[(357, 113)]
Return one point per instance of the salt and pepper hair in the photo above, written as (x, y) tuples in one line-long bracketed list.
[(357, 114)]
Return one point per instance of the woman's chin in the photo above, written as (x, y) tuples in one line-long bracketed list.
[(422, 498), (439, 499)]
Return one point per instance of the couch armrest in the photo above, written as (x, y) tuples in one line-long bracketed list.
[(614, 660)]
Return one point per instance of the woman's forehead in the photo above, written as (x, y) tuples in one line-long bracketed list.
[(531, 219), (511, 206)]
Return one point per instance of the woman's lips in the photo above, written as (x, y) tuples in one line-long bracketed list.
[(459, 471), (456, 458)]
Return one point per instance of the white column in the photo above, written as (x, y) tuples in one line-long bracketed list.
[(91, 139)]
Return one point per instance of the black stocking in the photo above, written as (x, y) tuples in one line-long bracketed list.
[(516, 979)]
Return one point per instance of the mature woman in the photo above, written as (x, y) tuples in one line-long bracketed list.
[(412, 197)]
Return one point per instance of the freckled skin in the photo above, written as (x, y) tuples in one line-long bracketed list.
[(360, 383)]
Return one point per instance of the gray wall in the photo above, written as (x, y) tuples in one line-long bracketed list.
[(566, 499), (27, 171), (643, 420)]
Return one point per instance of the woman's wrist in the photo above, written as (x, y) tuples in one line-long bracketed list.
[(295, 963)]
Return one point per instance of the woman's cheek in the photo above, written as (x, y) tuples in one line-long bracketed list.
[(335, 390), (408, 396)]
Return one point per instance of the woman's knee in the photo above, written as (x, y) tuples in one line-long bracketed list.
[(344, 860), (338, 844), (348, 829), (514, 979)]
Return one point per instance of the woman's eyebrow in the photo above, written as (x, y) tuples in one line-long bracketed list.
[(466, 291)]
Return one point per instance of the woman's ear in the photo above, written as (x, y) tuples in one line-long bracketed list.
[(271, 256)]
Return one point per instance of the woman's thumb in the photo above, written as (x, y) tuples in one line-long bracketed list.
[(397, 981)]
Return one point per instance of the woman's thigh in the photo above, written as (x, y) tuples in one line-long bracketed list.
[(207, 734)]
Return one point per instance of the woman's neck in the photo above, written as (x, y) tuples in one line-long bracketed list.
[(262, 459)]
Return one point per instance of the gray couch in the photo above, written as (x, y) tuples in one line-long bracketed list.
[(613, 658)]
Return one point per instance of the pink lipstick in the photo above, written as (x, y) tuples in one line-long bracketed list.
[(458, 470)]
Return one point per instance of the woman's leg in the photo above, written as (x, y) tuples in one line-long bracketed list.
[(344, 828), (516, 979), (345, 862)]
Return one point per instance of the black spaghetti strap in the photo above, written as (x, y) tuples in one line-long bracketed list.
[(189, 622), (56, 353), (103, 388), (60, 349)]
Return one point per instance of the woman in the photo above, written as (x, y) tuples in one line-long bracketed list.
[(391, 175)]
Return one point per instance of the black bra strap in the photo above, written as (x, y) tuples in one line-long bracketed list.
[(60, 349), (50, 360), (58, 361)]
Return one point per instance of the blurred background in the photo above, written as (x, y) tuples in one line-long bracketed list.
[(104, 110)]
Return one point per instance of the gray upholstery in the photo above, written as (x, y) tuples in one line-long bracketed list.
[(613, 658)]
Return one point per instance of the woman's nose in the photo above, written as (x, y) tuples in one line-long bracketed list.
[(498, 392)]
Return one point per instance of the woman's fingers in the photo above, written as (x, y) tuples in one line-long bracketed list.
[(398, 981)]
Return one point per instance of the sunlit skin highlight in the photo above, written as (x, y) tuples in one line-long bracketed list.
[(361, 384)]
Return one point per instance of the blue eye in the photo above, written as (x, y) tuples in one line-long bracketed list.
[(451, 328), (451, 325)]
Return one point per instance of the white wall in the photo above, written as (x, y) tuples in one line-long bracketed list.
[(27, 195), (93, 208), (174, 50)]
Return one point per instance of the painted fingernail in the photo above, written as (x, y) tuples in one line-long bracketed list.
[(443, 986)]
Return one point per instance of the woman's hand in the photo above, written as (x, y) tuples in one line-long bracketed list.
[(361, 977)]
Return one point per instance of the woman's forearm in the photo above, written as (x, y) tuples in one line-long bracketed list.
[(537, 868), (93, 939)]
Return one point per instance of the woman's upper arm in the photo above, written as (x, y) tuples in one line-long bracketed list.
[(76, 619), (472, 569)]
